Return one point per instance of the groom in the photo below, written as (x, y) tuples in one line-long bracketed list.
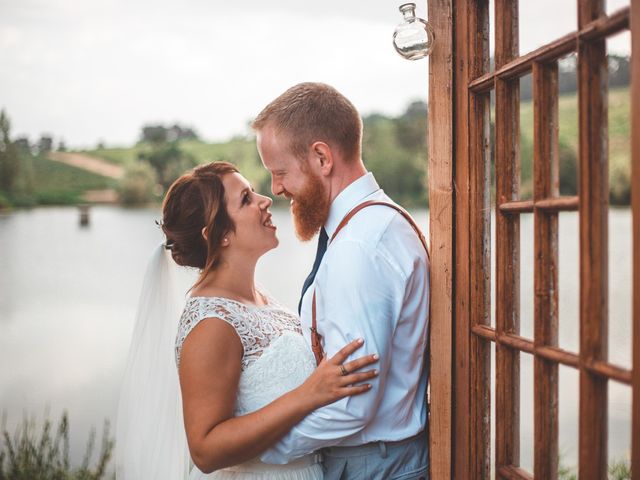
[(372, 283)]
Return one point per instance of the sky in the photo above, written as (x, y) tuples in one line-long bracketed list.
[(89, 71)]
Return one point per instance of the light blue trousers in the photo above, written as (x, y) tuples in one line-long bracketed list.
[(404, 460)]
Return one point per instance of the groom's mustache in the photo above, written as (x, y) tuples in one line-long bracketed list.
[(286, 195)]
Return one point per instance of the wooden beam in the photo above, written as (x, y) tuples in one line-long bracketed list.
[(635, 205), (507, 165), (606, 26), (609, 371), (462, 367), (479, 206), (441, 230), (472, 362), (555, 354), (558, 204), (555, 204), (594, 195), (514, 473), (546, 186), (520, 66)]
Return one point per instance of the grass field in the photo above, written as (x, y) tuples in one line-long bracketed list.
[(619, 124), (619, 137), (56, 183)]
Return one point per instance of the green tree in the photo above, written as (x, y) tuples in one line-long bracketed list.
[(397, 159), (411, 127), (138, 185), (168, 160), (9, 156), (568, 167)]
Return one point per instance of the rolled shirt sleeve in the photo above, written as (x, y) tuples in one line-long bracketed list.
[(360, 296)]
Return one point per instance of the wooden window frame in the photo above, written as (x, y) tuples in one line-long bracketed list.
[(459, 182)]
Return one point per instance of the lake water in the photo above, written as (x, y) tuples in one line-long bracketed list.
[(68, 297)]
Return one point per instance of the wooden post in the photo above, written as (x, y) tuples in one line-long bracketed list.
[(507, 141), (546, 186), (84, 215), (440, 133), (472, 406), (462, 431), (635, 205), (594, 197)]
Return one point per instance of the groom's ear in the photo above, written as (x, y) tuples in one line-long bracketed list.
[(323, 157)]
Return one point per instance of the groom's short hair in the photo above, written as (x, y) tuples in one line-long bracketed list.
[(311, 112)]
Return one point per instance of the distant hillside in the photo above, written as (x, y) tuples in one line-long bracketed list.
[(394, 148), (619, 76), (619, 144)]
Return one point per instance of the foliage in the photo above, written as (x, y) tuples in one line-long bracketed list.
[(618, 75), (29, 456), (50, 175), (619, 145), (118, 155), (398, 161), (52, 183), (565, 473), (5, 203), (241, 151), (168, 160), (162, 134), (9, 157), (411, 128), (138, 185), (56, 197), (619, 469), (27, 180), (395, 150)]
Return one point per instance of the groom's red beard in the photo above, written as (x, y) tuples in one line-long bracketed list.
[(310, 208)]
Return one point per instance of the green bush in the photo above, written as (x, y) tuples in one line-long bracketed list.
[(168, 160), (5, 203), (29, 456), (22, 199), (58, 197), (138, 185), (619, 469)]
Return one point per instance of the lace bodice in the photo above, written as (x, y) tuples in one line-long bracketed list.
[(276, 356), (257, 326)]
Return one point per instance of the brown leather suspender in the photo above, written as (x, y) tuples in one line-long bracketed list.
[(316, 338)]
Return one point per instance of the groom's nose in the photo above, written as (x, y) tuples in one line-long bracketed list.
[(276, 187)]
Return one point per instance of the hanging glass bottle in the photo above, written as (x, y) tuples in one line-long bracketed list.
[(413, 38)]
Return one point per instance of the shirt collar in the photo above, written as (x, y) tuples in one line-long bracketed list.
[(349, 198)]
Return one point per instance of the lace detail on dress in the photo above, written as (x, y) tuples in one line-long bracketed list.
[(276, 360), (256, 326)]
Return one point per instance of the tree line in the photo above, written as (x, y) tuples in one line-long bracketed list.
[(394, 149)]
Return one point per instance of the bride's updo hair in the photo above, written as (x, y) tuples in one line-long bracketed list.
[(195, 201)]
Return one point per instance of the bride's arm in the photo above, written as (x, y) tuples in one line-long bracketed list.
[(209, 374)]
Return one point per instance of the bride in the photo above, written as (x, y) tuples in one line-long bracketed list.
[(246, 375)]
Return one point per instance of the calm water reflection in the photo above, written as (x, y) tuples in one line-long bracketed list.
[(68, 296)]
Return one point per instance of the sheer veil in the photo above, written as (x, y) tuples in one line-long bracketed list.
[(150, 437)]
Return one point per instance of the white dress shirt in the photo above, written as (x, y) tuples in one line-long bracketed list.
[(372, 283)]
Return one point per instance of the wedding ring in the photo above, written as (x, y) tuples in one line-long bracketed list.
[(343, 371)]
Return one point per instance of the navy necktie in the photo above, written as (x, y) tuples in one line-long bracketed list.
[(322, 247)]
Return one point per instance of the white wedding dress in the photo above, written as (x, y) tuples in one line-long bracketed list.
[(276, 360)]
